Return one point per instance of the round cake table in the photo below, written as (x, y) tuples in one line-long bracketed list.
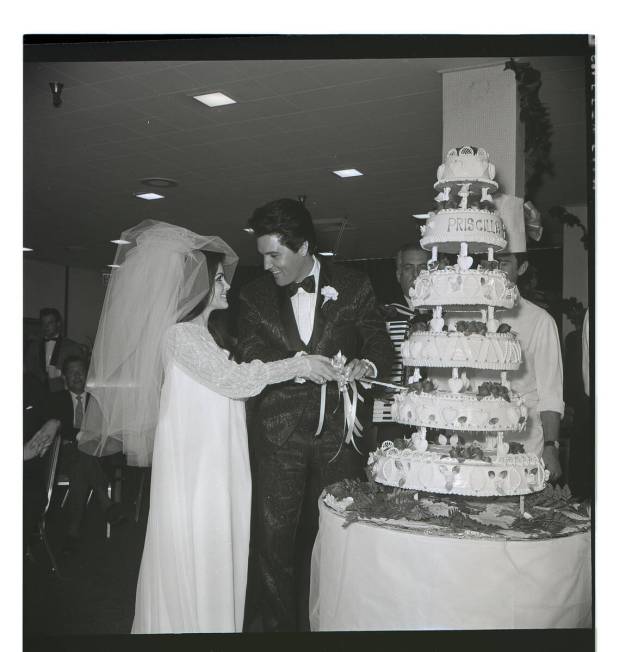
[(369, 576)]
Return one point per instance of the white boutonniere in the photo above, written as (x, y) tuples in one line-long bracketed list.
[(329, 294)]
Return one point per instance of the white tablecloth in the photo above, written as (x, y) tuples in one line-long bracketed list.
[(368, 577)]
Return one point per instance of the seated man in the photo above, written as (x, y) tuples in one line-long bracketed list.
[(84, 471)]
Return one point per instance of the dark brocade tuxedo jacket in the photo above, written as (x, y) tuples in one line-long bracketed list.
[(288, 470), (268, 331)]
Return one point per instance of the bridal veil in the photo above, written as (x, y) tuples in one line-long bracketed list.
[(161, 276)]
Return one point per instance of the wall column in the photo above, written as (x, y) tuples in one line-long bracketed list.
[(480, 108)]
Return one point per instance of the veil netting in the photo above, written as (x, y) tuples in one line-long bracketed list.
[(161, 276)]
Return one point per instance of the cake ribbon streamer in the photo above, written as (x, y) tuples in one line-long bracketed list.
[(350, 393)]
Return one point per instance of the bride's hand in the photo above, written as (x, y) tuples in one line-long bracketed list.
[(320, 369)]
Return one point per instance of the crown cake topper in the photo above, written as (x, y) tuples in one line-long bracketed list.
[(466, 162)]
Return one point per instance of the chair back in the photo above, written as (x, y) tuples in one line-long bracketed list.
[(52, 463)]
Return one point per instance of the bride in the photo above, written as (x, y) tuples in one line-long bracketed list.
[(166, 387)]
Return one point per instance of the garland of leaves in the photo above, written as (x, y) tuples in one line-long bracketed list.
[(372, 501), (569, 219), (538, 129)]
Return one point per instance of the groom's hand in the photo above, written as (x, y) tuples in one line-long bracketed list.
[(321, 370), (356, 369)]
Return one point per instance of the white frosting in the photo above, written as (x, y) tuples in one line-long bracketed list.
[(434, 471), (472, 287), (465, 180), (497, 351), (459, 411), (480, 229), (466, 163)]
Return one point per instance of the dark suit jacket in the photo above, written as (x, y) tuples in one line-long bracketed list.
[(60, 406), (268, 331), (35, 360)]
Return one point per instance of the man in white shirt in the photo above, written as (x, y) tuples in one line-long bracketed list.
[(539, 380)]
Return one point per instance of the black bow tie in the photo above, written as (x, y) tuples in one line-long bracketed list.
[(52, 339), (308, 284)]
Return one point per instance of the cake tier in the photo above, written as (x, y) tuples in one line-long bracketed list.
[(435, 471), (497, 351), (480, 229), (471, 288), (459, 411), (474, 184), (466, 163)]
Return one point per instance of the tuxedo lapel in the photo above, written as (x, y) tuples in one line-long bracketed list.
[(42, 356), (286, 314)]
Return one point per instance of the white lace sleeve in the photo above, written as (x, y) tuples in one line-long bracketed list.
[(193, 348)]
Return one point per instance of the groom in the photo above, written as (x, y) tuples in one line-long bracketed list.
[(302, 305)]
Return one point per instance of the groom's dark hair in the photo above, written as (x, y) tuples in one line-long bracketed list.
[(289, 220)]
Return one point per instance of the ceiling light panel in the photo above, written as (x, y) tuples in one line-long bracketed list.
[(149, 195), (348, 173), (214, 99)]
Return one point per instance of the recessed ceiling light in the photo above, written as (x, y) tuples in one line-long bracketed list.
[(28, 249), (348, 173), (326, 253), (148, 195), (120, 242), (159, 182), (113, 265), (248, 230), (421, 216), (214, 99)]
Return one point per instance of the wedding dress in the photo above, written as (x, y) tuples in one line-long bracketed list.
[(194, 566)]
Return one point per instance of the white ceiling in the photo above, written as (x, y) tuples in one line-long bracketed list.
[(295, 122)]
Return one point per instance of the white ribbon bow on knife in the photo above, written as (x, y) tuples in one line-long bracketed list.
[(350, 404), (348, 390)]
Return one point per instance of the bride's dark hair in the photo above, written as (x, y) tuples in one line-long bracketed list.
[(217, 323)]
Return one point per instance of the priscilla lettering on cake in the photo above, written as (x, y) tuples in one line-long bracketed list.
[(487, 225)]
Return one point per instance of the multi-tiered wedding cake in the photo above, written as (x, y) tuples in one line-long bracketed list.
[(472, 455)]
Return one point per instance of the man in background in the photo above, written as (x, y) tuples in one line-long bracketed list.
[(399, 314), (45, 357), (85, 471)]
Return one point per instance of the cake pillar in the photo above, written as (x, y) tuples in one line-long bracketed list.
[(480, 105)]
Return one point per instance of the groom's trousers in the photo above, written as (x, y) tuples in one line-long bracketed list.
[(287, 482)]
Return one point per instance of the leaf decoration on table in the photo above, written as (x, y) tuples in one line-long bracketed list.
[(548, 512), (460, 521), (552, 522)]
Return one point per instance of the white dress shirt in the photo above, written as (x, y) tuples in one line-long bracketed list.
[(304, 309), (539, 379), (304, 306), (74, 399), (49, 350)]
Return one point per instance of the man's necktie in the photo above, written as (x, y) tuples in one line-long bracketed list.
[(308, 284), (79, 412)]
